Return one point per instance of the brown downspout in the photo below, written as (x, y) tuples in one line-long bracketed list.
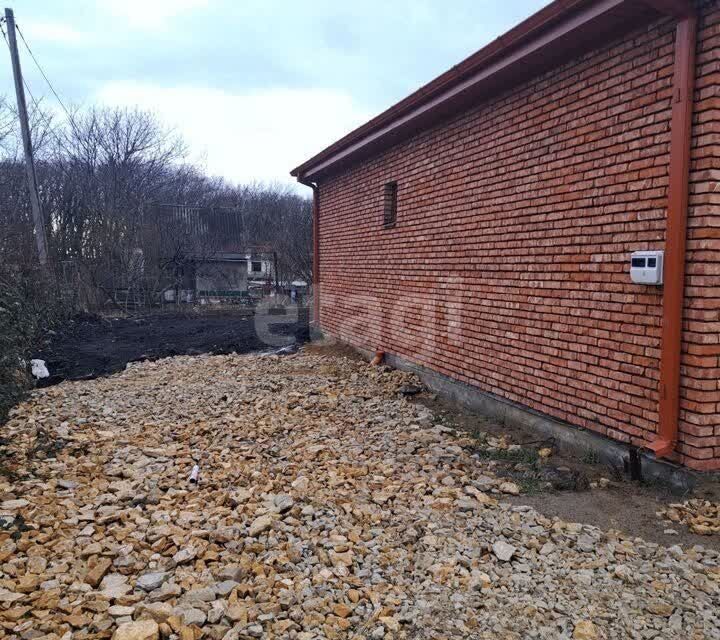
[(676, 225), (316, 249)]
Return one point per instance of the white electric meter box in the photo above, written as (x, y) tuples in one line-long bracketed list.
[(646, 267)]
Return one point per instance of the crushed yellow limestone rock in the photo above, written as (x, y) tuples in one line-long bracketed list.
[(328, 505)]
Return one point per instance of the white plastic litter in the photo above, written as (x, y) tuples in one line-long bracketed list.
[(194, 474), (39, 370)]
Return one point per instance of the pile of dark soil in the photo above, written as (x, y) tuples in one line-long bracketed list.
[(89, 346)]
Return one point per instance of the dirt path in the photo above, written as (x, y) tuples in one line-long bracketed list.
[(328, 506), (575, 488), (91, 346)]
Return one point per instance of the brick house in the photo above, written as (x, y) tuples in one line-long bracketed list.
[(482, 228)]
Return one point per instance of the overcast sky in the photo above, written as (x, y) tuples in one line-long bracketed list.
[(254, 86)]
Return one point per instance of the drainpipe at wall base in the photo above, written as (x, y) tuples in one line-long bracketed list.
[(666, 440), (316, 249)]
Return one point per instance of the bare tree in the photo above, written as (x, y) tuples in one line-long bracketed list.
[(6, 123), (103, 174), (280, 219)]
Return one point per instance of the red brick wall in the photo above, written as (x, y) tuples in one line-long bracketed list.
[(508, 266), (700, 408)]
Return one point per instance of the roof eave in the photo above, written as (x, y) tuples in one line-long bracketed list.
[(563, 29)]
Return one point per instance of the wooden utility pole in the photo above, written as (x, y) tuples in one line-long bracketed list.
[(40, 237)]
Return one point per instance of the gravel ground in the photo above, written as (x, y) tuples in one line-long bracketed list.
[(328, 506)]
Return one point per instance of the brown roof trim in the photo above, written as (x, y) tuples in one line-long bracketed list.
[(674, 8), (547, 38)]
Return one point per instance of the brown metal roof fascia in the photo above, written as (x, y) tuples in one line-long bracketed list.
[(550, 37), (676, 8), (542, 18)]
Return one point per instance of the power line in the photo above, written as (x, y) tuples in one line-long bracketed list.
[(27, 86), (44, 75), (48, 122), (46, 119), (40, 113)]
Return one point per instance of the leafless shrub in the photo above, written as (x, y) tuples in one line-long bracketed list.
[(28, 308)]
